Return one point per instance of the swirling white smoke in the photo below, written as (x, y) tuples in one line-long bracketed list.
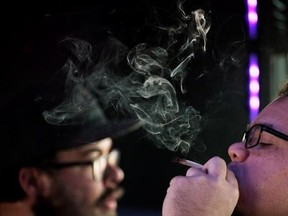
[(146, 91)]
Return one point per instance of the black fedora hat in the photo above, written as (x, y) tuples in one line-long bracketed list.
[(69, 108), (34, 124)]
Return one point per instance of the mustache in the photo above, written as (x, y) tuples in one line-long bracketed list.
[(116, 193)]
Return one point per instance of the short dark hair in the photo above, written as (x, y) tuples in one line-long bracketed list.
[(284, 90)]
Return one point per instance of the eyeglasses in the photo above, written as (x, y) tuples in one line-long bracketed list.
[(253, 135), (98, 165)]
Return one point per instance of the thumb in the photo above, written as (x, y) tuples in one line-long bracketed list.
[(216, 166), (230, 177)]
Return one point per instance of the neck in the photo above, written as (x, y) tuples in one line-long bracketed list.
[(19, 208)]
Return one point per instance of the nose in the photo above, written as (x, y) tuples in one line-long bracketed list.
[(114, 175), (238, 152)]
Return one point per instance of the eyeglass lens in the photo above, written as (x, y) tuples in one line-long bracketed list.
[(100, 165), (253, 136)]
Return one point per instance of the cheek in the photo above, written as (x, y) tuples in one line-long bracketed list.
[(276, 178), (90, 190), (263, 184), (274, 170), (272, 191), (82, 187)]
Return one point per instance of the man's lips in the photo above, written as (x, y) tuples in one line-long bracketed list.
[(235, 169)]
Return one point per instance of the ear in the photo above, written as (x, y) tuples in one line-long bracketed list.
[(34, 182)]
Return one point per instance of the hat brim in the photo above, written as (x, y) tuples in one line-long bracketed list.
[(74, 136)]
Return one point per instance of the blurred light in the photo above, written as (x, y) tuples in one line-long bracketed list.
[(253, 17), (254, 87), (252, 3), (254, 70), (254, 103)]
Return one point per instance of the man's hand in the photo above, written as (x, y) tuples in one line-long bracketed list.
[(212, 191)]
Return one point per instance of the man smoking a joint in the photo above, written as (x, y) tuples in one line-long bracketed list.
[(254, 183)]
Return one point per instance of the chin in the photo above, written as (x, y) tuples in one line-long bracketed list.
[(107, 208)]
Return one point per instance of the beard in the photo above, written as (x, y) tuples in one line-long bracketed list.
[(63, 203), (48, 207)]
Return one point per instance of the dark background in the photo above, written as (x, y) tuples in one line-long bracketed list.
[(30, 34)]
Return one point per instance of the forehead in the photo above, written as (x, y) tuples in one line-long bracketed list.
[(275, 114), (99, 147)]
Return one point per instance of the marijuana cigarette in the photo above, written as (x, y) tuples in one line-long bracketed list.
[(187, 162)]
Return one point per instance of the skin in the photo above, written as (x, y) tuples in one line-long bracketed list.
[(202, 191), (70, 191), (261, 174), (81, 193)]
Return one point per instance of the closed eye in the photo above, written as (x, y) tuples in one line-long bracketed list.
[(264, 144)]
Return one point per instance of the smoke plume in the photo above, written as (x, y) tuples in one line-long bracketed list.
[(145, 90)]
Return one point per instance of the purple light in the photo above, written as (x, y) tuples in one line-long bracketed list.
[(254, 103), (254, 86), (254, 70), (253, 114), (253, 60), (252, 3), (252, 18)]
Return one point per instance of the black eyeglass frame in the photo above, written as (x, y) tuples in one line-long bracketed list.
[(262, 128), (92, 163), (63, 165)]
